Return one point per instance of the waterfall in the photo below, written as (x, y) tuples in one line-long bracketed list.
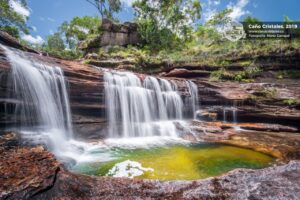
[(143, 106), (42, 92), (192, 101), (233, 109), (224, 115), (137, 106)]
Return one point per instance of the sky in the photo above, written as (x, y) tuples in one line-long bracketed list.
[(45, 16)]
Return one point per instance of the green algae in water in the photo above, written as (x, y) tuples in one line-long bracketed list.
[(180, 162)]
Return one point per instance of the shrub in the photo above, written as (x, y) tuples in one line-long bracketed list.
[(292, 102)]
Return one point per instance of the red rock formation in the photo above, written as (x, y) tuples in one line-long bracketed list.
[(33, 173)]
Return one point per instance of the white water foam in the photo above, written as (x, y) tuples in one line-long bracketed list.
[(144, 106), (147, 110), (129, 169)]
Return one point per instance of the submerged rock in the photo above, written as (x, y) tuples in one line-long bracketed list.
[(264, 138), (281, 182), (207, 116)]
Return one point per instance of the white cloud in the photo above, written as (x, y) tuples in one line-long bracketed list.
[(82, 29), (33, 40), (238, 10), (34, 28), (210, 9), (19, 8), (209, 13), (51, 19), (214, 2), (127, 2), (42, 18)]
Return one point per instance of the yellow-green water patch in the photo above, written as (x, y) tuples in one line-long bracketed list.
[(180, 162)]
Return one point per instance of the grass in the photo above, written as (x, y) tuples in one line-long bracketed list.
[(245, 75), (269, 93), (294, 74), (217, 54), (292, 102)]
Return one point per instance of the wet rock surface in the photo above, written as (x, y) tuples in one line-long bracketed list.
[(29, 172), (85, 86), (225, 97), (266, 138), (87, 94), (271, 183), (6, 39), (33, 173), (24, 171)]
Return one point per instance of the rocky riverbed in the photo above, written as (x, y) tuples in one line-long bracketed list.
[(33, 173), (266, 124)]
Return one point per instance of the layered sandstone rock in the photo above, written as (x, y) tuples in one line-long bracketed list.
[(88, 106), (112, 34), (282, 142), (85, 86), (25, 171)]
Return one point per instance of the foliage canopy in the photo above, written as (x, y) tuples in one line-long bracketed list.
[(106, 8), (163, 23), (10, 20), (79, 29)]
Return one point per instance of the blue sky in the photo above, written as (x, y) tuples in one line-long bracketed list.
[(45, 16)]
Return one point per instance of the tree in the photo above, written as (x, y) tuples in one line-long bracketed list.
[(210, 34), (166, 24), (176, 15), (106, 8), (287, 19), (10, 20), (55, 43), (220, 19), (79, 28), (11, 30), (56, 47), (250, 19)]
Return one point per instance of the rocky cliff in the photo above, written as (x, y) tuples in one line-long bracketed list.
[(85, 91), (112, 34), (247, 101), (31, 172)]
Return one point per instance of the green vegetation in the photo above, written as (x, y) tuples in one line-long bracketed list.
[(79, 29), (106, 8), (292, 102), (170, 32), (220, 74), (269, 93), (247, 74), (64, 43), (288, 74), (166, 24), (55, 46), (11, 21)]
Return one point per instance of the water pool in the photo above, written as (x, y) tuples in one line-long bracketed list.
[(173, 162)]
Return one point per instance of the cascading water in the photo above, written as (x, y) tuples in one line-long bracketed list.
[(143, 106), (44, 102), (193, 100), (228, 110), (136, 106)]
